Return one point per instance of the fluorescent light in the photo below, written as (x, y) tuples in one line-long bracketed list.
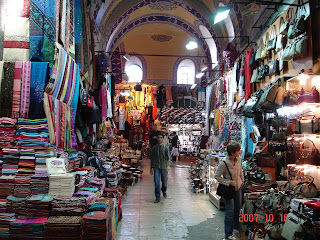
[(303, 77), (204, 67), (199, 75), (222, 13), (193, 86), (126, 57), (191, 45)]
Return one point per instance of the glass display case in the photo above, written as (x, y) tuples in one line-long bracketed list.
[(213, 185)]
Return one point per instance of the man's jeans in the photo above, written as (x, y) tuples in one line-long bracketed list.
[(163, 173), (231, 220)]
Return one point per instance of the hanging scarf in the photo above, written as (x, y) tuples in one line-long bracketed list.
[(74, 144), (64, 84), (6, 90), (39, 71), (48, 111), (62, 125), (60, 73), (73, 86), (75, 98), (1, 72), (67, 95), (25, 89), (16, 90), (53, 76), (57, 120)]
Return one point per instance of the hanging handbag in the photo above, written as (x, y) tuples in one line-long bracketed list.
[(224, 191), (309, 97), (251, 105), (301, 46), (272, 42), (305, 152), (278, 147), (298, 25), (259, 50), (307, 123), (278, 122), (263, 71), (253, 62), (285, 25), (254, 76), (266, 160), (274, 67), (229, 55), (272, 97), (289, 51), (264, 50)]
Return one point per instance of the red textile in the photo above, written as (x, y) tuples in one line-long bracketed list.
[(247, 74)]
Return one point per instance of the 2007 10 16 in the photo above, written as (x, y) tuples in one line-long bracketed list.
[(268, 217)]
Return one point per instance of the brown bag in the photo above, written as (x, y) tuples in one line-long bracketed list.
[(266, 160)]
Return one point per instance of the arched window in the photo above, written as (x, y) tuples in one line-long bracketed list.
[(212, 45), (186, 72), (133, 69), (229, 25)]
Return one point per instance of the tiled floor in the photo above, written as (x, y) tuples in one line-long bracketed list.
[(182, 215)]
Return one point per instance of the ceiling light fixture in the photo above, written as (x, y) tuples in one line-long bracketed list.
[(191, 44), (203, 68), (126, 57), (199, 75), (193, 86), (221, 14)]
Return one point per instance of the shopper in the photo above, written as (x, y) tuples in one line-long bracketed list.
[(174, 144), (233, 161), (153, 136), (165, 139), (160, 157)]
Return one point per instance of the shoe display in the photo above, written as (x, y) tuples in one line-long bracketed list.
[(157, 200)]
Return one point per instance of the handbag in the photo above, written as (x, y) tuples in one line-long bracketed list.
[(289, 51), (263, 71), (264, 50), (293, 225), (267, 160), (301, 46), (278, 147), (259, 177), (285, 25), (254, 76), (274, 67), (272, 42), (278, 122), (298, 25), (312, 97), (306, 189), (253, 62), (303, 152), (224, 191), (252, 103), (259, 50), (279, 136), (308, 123), (272, 97)]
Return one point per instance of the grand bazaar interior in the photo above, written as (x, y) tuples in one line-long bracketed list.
[(159, 119)]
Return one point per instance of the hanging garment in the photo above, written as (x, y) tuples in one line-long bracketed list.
[(161, 97), (232, 85), (39, 73), (6, 92), (16, 90), (103, 101), (109, 105), (247, 74), (75, 98), (201, 94), (25, 89)]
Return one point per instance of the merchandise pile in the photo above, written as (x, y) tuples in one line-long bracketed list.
[(6, 186), (39, 205), (7, 131), (181, 116), (5, 221), (63, 227), (17, 205), (32, 133), (62, 185), (26, 161), (68, 206), (27, 228), (22, 186), (41, 156), (10, 161), (39, 184)]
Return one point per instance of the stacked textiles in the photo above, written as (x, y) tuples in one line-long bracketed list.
[(3, 203), (39, 184), (90, 196), (62, 185), (95, 223), (10, 161), (63, 227), (97, 182), (5, 221), (41, 156), (32, 133), (26, 161), (7, 131), (22, 186), (6, 186), (27, 228), (17, 205), (69, 206), (39, 205), (73, 161)]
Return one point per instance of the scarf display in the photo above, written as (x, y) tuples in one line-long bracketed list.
[(6, 90), (16, 90), (25, 89)]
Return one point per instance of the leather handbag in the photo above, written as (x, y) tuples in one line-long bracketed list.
[(281, 42), (263, 71), (292, 226), (307, 123), (253, 62), (274, 67), (264, 50), (285, 24), (224, 191), (279, 136), (273, 41), (259, 50), (306, 189), (305, 152), (278, 122), (272, 97), (301, 46), (251, 105), (266, 160), (298, 25), (254, 76), (259, 177), (289, 51), (310, 97)]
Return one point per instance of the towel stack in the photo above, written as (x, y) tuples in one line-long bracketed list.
[(68, 206), (62, 185), (6, 186), (28, 228), (63, 227), (41, 156)]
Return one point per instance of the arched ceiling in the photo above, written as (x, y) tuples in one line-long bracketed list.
[(123, 24)]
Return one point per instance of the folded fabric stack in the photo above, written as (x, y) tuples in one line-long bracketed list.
[(7, 131), (22, 186), (96, 224), (97, 182), (5, 221), (17, 205), (28, 228), (6, 186), (1, 162), (32, 133), (3, 203), (39, 184), (74, 162), (26, 161), (10, 161), (90, 196), (68, 206), (39, 205), (41, 156), (63, 227), (62, 185)]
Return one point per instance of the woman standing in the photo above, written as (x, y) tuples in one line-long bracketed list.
[(233, 205)]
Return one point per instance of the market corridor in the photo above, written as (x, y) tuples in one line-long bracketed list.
[(182, 215)]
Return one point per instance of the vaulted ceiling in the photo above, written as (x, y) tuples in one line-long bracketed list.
[(162, 27)]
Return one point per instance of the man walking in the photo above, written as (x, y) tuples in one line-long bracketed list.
[(160, 157)]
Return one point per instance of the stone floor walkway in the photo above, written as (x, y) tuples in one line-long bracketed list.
[(182, 215)]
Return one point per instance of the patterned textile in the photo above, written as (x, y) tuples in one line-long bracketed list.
[(70, 29), (25, 89), (16, 40), (63, 125), (16, 90), (39, 73), (77, 29), (75, 98), (42, 30), (6, 90)]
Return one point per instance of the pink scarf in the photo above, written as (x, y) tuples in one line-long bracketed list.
[(16, 90), (25, 89)]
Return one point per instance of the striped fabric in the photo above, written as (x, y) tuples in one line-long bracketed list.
[(25, 89), (160, 156), (16, 90)]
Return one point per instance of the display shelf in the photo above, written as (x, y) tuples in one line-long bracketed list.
[(216, 200)]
